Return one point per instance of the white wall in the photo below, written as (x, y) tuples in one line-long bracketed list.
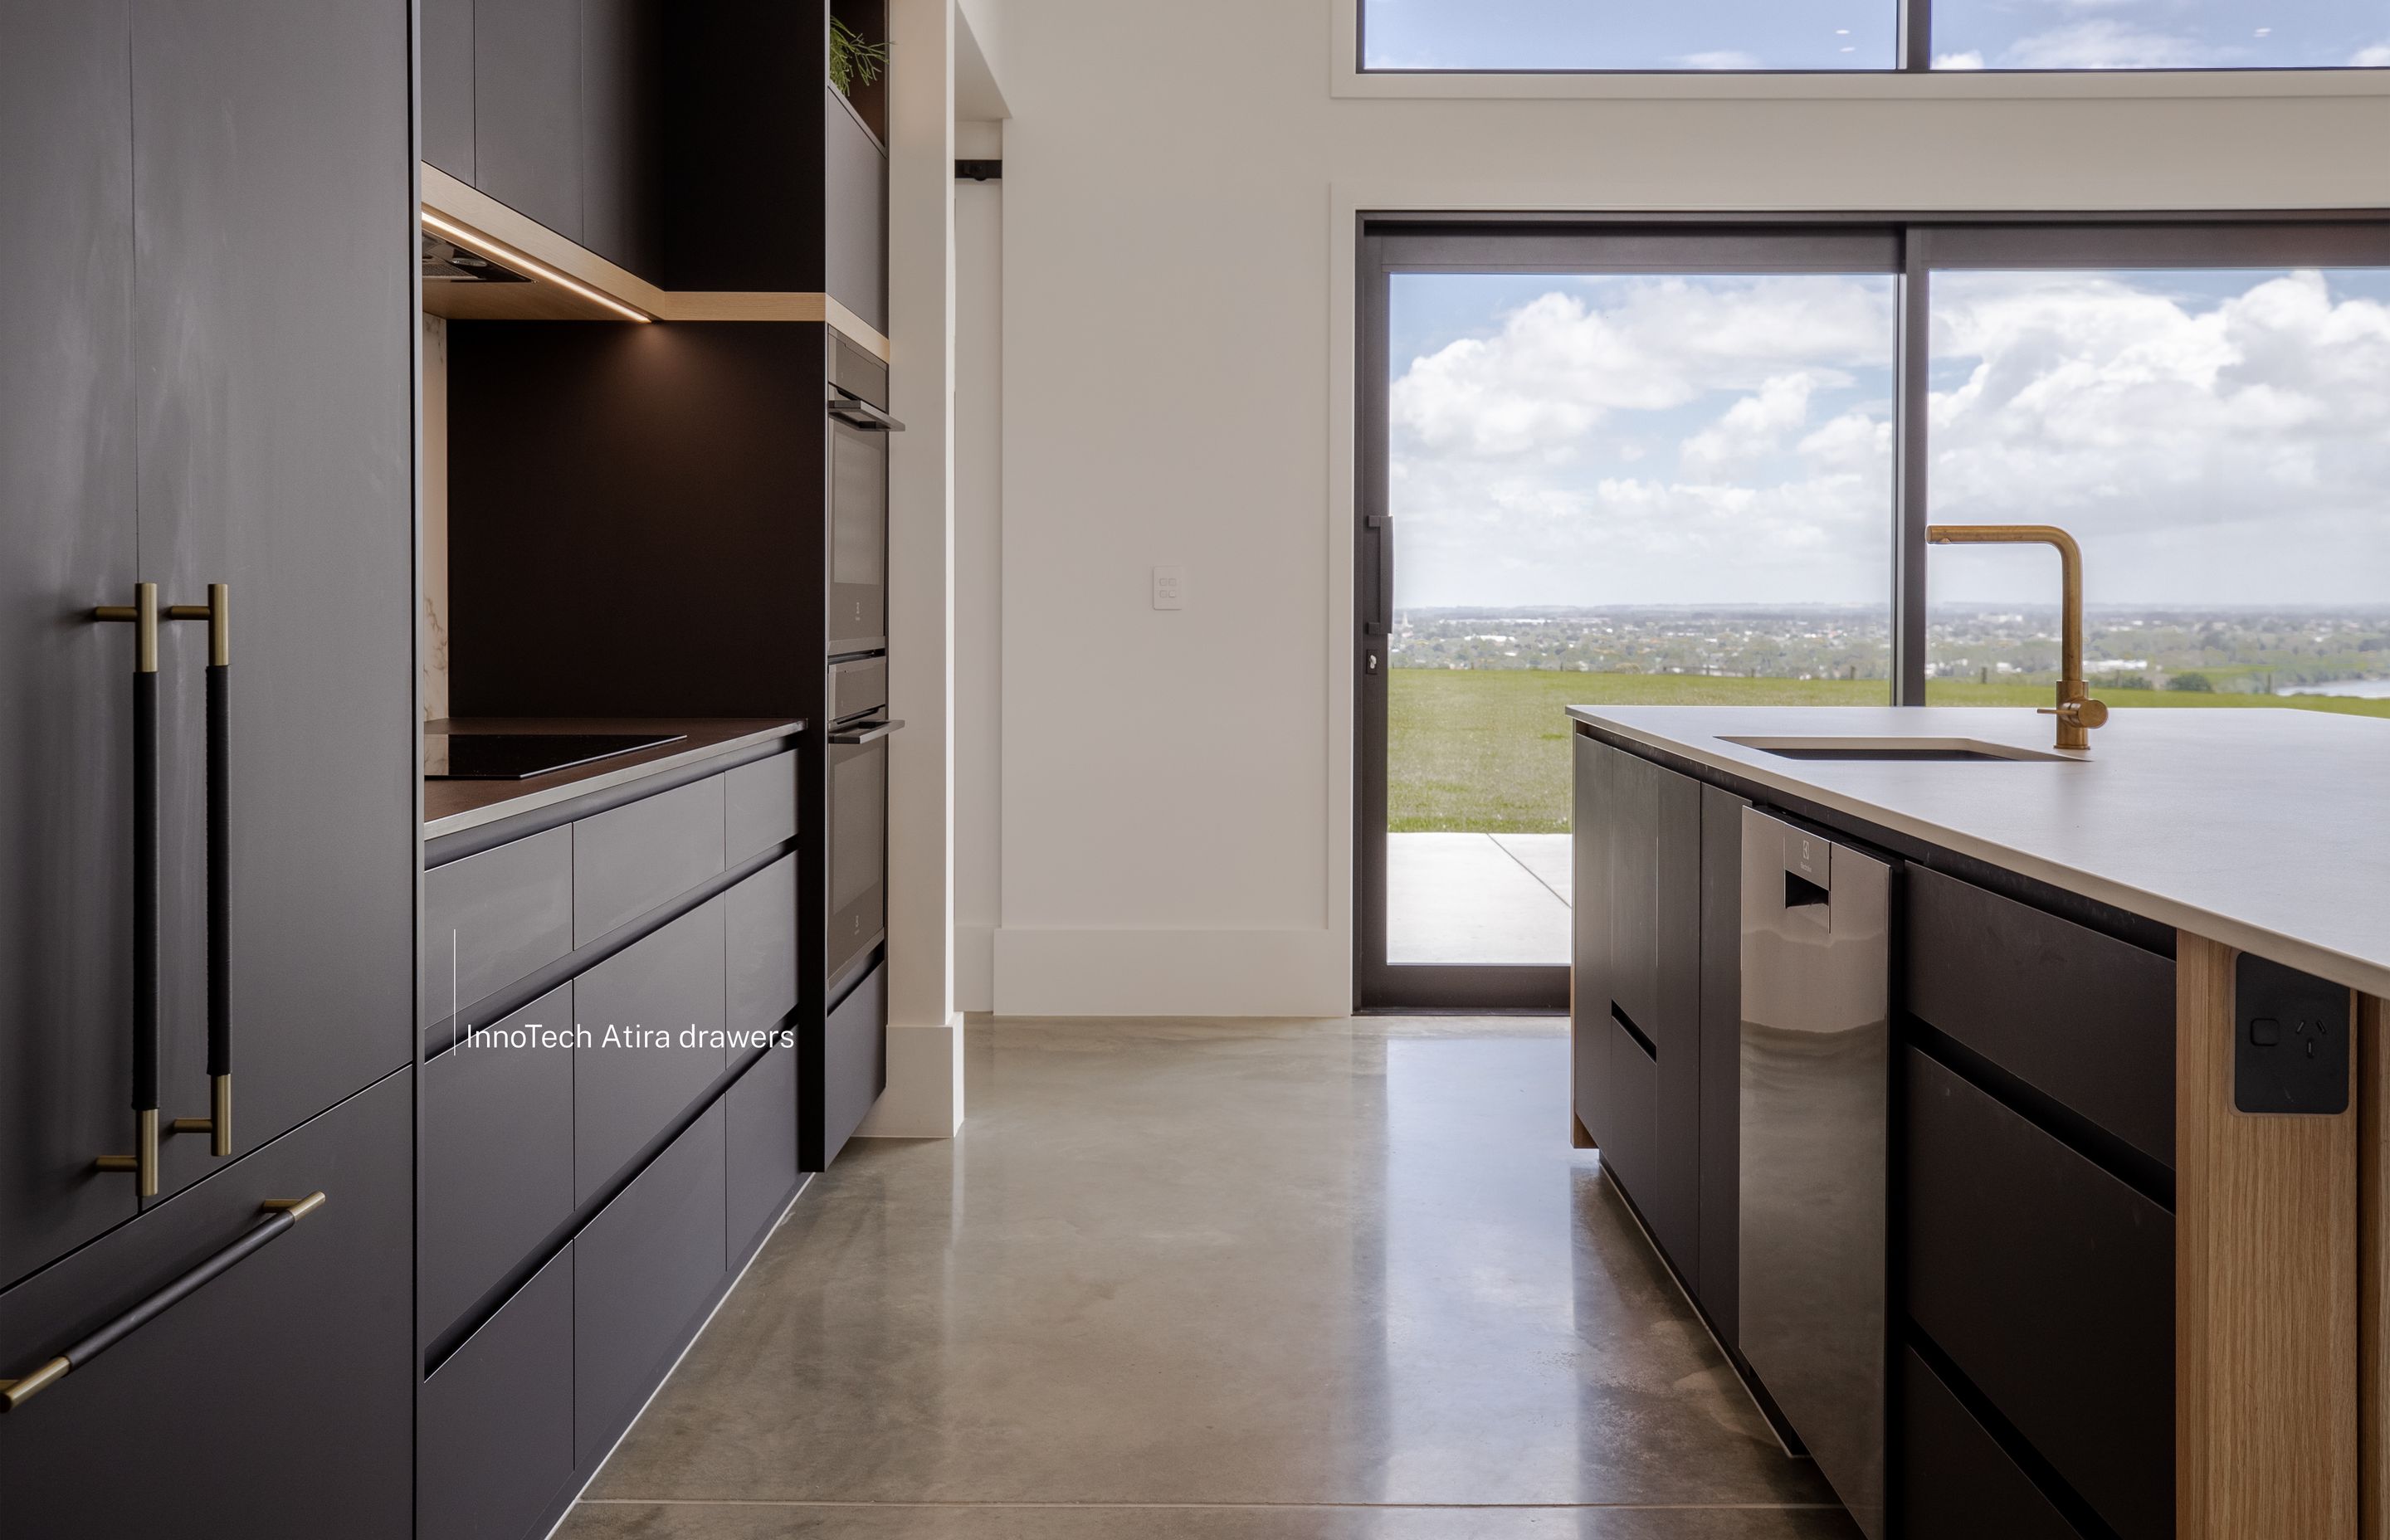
[(979, 554), (924, 1097), (1178, 198)]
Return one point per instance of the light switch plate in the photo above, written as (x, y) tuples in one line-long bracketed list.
[(1170, 587)]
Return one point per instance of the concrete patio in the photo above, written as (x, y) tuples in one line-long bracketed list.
[(1477, 898)]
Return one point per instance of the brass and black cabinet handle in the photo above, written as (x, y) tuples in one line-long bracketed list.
[(217, 1124), (276, 1216), (863, 732), (143, 613)]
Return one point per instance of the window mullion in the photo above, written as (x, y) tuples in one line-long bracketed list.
[(1908, 480), (1916, 35)]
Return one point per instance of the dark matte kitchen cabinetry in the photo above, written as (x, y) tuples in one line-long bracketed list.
[(590, 1189), (67, 542), (646, 132), (1639, 1001), (553, 108), (274, 1402), (444, 84), (275, 455), (527, 122), (2031, 1149), (614, 423), (175, 412)]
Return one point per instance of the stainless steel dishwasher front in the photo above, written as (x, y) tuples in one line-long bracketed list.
[(1815, 1084)]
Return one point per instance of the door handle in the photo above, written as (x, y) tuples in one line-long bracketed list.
[(860, 412), (217, 1124), (143, 1161), (847, 737), (276, 1217)]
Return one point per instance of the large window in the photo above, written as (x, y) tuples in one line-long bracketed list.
[(2160, 34), (1555, 37), (2217, 441), (1609, 464), (1677, 34)]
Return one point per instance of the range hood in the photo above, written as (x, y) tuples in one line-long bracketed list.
[(446, 261)]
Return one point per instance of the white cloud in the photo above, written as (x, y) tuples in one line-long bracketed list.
[(1971, 59), (2375, 57), (2115, 404), (1562, 365), (2103, 44), (2229, 451), (1754, 425)]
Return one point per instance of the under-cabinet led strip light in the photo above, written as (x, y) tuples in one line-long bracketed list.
[(513, 258)]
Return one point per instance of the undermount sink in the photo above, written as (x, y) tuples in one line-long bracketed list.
[(1943, 751)]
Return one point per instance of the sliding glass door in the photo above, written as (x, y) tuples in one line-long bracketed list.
[(1635, 467), (1601, 463)]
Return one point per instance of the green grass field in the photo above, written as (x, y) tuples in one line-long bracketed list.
[(1485, 751)]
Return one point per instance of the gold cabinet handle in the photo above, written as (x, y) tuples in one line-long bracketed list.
[(276, 1217)]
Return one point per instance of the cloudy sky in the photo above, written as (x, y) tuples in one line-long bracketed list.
[(1860, 34), (2213, 438)]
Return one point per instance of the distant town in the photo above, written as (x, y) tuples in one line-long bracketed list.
[(2254, 651)]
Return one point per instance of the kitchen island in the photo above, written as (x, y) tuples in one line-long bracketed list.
[(2120, 1057)]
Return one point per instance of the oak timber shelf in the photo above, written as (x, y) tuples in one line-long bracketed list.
[(490, 227)]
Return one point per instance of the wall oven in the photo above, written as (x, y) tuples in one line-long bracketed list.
[(859, 426), (857, 843)]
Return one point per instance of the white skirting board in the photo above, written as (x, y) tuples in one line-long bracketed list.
[(924, 1098), (1173, 972), (974, 967)]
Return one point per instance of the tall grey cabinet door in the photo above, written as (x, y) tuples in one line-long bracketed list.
[(66, 543), (1592, 809), (275, 314)]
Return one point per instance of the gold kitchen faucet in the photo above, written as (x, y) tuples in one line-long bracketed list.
[(2077, 713)]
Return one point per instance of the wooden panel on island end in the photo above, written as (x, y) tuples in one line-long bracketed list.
[(2266, 1282), (2373, 1271)]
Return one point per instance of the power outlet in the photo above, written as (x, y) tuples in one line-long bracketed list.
[(2293, 1037), (1170, 587)]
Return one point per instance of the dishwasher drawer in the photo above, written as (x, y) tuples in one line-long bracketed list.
[(1815, 1078)]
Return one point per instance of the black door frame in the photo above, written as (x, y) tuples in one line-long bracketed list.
[(1907, 249)]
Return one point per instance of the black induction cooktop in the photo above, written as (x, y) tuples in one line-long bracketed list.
[(519, 756)]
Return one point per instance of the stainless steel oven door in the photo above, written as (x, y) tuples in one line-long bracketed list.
[(858, 846), (858, 525)]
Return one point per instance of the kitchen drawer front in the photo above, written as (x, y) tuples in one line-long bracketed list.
[(628, 1091), (628, 860), (760, 953), (274, 1403), (1632, 1155), (2051, 1285), (1957, 1482), (854, 1064), (497, 1440), (645, 1271), (759, 807), (494, 917), (495, 1170), (762, 1133), (2083, 1017)]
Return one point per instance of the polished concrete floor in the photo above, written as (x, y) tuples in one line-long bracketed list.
[(1222, 1280), (1478, 898)]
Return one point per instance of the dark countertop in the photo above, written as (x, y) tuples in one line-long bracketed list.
[(452, 806)]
